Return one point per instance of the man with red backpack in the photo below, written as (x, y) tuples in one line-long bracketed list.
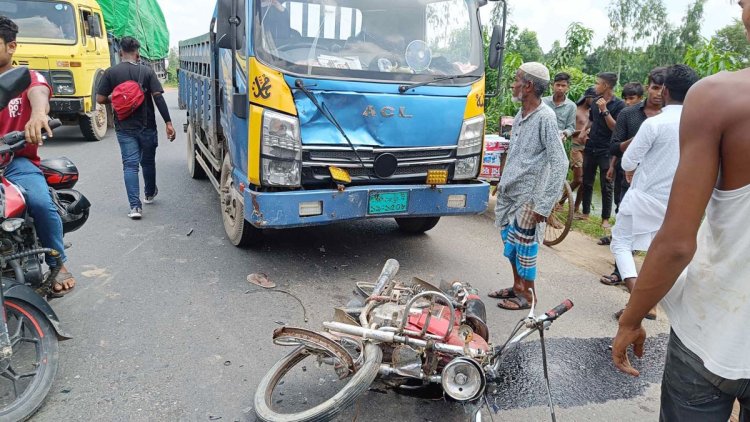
[(133, 88)]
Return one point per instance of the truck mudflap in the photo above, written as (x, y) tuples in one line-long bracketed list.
[(315, 207)]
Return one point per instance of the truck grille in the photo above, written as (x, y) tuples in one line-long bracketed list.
[(413, 163)]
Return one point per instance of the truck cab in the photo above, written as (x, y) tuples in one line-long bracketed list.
[(311, 112), (67, 43)]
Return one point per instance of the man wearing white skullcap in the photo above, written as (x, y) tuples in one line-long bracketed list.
[(531, 183)]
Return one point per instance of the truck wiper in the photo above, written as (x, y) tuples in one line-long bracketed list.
[(403, 88), (328, 115)]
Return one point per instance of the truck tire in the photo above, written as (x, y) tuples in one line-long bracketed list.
[(195, 170), (94, 125), (240, 232), (417, 225)]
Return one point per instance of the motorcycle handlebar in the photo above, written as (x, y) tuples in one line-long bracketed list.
[(558, 310), (14, 141), (389, 271)]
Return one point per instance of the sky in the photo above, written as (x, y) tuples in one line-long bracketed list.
[(549, 18)]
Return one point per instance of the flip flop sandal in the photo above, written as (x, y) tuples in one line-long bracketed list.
[(59, 281), (507, 293), (604, 241), (611, 280), (520, 301)]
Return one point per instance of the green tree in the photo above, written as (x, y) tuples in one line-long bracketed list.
[(527, 45), (174, 64), (577, 45), (708, 59), (732, 39)]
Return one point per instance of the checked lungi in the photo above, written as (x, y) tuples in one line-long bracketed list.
[(520, 241)]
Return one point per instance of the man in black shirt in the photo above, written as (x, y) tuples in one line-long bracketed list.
[(137, 133), (628, 123), (602, 120)]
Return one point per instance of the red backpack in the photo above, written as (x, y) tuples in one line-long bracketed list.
[(128, 96)]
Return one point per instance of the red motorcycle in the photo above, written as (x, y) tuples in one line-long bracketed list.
[(30, 329), (410, 336)]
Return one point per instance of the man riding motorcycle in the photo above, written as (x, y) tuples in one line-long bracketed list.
[(28, 113)]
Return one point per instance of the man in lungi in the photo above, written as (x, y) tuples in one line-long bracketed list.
[(531, 183)]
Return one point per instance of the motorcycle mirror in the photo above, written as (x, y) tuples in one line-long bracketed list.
[(12, 84)]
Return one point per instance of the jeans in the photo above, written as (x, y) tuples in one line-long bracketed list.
[(25, 174), (138, 148), (591, 163), (689, 392)]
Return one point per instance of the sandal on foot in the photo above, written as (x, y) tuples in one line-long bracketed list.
[(604, 241), (611, 280), (507, 293), (519, 301), (59, 281)]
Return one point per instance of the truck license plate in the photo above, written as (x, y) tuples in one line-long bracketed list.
[(388, 202)]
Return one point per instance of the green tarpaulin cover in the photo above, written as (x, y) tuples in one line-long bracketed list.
[(141, 19)]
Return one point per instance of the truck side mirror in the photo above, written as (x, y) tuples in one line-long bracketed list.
[(230, 24), (496, 44), (95, 27)]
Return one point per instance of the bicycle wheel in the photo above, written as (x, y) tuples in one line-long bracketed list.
[(561, 219), (295, 390)]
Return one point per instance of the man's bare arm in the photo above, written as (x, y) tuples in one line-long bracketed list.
[(611, 122), (39, 99), (101, 99), (697, 173)]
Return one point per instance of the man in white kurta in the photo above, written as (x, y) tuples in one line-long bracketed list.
[(653, 156)]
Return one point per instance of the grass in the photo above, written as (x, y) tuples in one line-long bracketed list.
[(591, 227)]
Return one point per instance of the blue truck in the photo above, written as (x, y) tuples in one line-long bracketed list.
[(311, 112)]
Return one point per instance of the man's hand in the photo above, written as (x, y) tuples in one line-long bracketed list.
[(629, 176), (171, 134), (34, 127), (582, 137), (625, 337), (602, 103), (610, 174)]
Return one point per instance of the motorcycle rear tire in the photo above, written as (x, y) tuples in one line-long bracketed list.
[(358, 384), (35, 394)]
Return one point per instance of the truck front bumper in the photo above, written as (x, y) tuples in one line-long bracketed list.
[(66, 105), (293, 208)]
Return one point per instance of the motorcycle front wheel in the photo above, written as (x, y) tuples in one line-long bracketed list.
[(268, 401), (27, 377)]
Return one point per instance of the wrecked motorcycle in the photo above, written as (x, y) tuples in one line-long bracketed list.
[(410, 336)]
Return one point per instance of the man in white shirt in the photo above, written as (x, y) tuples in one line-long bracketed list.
[(650, 163), (698, 264)]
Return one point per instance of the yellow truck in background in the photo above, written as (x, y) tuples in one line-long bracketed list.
[(72, 42), (66, 42)]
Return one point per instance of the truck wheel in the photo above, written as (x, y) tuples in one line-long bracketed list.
[(417, 225), (195, 170), (94, 125), (240, 232)]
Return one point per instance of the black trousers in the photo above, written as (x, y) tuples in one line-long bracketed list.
[(592, 163), (621, 186)]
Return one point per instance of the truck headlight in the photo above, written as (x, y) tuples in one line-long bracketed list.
[(466, 168), (62, 82), (469, 148), (281, 150)]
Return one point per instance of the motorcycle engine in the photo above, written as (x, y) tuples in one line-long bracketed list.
[(388, 314)]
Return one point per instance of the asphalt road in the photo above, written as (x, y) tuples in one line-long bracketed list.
[(167, 328)]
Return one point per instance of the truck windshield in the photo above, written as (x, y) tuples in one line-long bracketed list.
[(41, 22), (391, 40)]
